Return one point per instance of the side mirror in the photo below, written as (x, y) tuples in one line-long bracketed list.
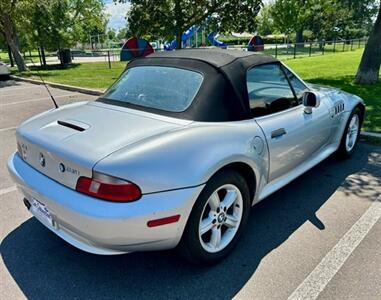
[(310, 100)]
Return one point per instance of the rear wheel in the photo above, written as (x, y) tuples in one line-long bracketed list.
[(351, 134), (217, 218)]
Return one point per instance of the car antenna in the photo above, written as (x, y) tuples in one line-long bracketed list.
[(44, 83)]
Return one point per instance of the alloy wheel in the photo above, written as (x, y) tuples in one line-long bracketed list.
[(352, 133), (220, 219)]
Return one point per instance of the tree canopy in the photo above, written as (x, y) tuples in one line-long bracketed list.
[(51, 24), (170, 18), (326, 19)]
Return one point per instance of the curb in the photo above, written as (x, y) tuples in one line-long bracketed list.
[(60, 86), (371, 134)]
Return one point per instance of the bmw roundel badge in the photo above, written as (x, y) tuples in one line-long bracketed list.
[(61, 167)]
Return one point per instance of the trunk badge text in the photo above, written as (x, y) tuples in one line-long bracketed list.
[(42, 160)]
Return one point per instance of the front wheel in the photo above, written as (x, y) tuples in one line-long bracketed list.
[(217, 218), (351, 134)]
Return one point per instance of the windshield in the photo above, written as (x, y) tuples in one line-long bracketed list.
[(165, 88)]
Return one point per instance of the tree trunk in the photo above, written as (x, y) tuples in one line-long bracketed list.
[(178, 40), (39, 55), (299, 38), (369, 69), (43, 56), (179, 26), (21, 66), (11, 39), (10, 56)]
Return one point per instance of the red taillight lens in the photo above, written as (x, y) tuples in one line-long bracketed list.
[(19, 149), (108, 188)]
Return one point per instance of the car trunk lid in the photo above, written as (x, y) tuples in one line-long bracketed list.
[(66, 143)]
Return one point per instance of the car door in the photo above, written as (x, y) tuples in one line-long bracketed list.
[(275, 102)]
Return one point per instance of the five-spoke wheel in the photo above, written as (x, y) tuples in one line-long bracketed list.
[(351, 134), (220, 218), (217, 218)]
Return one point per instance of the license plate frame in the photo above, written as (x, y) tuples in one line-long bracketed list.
[(41, 211)]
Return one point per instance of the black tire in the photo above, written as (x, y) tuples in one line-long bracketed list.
[(343, 152), (190, 245), (4, 77)]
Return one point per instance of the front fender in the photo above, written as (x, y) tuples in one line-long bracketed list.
[(334, 96), (188, 156)]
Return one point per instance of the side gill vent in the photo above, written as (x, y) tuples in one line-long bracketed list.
[(339, 108)]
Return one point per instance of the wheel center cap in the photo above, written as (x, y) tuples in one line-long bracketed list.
[(221, 217)]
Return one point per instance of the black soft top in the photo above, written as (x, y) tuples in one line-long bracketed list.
[(218, 57), (223, 94)]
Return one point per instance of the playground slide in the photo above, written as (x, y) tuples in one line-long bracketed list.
[(212, 37), (186, 35)]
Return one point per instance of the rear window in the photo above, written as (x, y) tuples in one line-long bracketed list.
[(165, 88)]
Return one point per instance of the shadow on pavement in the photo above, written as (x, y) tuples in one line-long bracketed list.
[(44, 266), (6, 82)]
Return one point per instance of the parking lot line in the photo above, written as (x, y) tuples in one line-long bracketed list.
[(8, 190), (18, 88), (318, 279), (7, 128), (38, 99)]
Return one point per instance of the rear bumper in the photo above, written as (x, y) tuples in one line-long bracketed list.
[(103, 227)]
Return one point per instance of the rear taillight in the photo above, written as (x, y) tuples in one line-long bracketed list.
[(108, 188), (19, 149)]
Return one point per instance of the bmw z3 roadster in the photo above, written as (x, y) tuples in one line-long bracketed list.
[(176, 152)]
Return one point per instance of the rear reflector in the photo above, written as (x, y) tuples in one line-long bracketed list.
[(108, 188), (163, 221)]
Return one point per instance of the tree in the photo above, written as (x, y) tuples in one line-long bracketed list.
[(122, 34), (170, 18), (265, 22), (362, 14), (57, 24), (111, 34), (8, 10), (327, 19), (369, 69), (289, 16)]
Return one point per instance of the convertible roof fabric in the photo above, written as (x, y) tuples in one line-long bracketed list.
[(217, 57), (223, 93)]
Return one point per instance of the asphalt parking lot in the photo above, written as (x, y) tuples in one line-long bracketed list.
[(319, 237)]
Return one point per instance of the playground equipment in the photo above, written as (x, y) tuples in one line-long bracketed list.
[(135, 47), (212, 37), (256, 44), (184, 37)]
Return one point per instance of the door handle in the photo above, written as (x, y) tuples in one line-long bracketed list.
[(277, 133)]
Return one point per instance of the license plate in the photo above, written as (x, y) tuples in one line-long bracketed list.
[(41, 211)]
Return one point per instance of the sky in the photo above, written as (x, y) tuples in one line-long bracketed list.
[(117, 13)]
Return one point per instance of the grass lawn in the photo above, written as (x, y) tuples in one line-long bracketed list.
[(337, 70), (95, 75)]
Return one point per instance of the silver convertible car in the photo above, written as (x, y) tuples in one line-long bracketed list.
[(176, 152)]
